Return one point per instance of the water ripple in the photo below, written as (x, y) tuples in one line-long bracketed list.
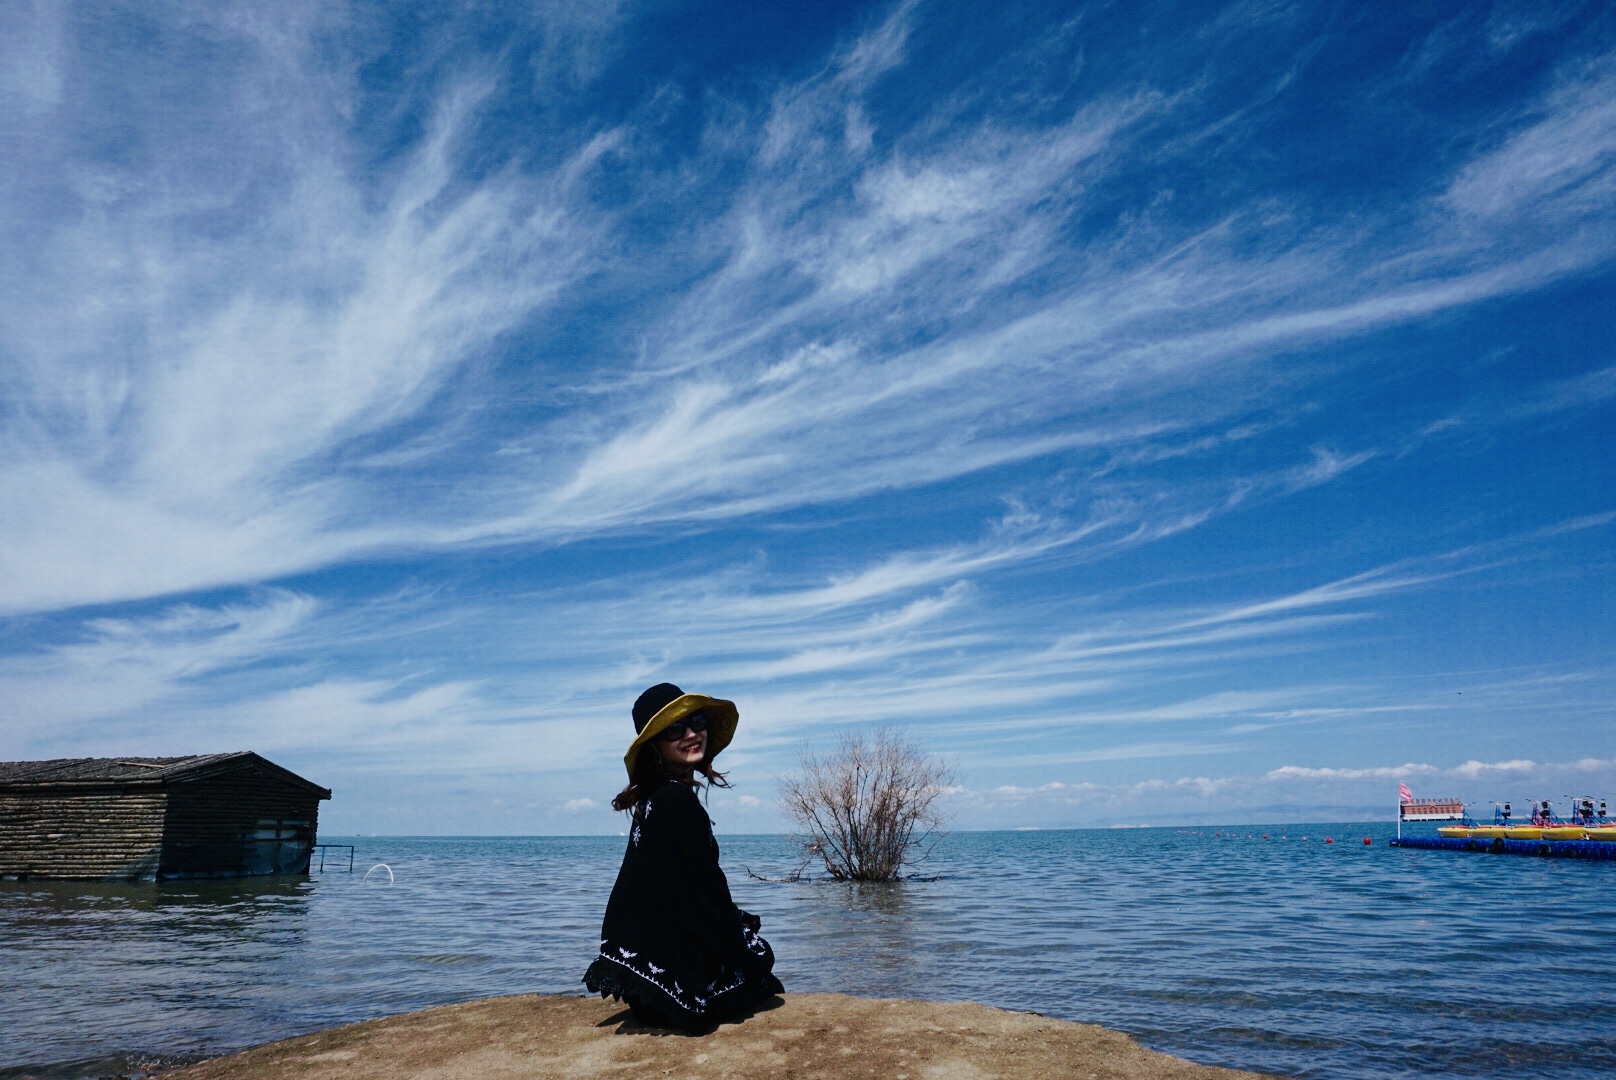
[(1287, 956)]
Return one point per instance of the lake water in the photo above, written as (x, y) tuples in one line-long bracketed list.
[(1285, 955)]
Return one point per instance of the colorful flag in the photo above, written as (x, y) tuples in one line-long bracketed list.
[(1404, 794)]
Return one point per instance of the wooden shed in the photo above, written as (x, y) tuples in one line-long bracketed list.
[(141, 819)]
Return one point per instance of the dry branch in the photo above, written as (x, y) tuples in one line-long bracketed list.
[(867, 805)]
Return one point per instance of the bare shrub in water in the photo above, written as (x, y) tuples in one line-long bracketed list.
[(868, 804)]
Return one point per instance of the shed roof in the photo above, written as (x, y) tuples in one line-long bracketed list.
[(138, 771)]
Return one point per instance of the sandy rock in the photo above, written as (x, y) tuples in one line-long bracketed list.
[(803, 1036)]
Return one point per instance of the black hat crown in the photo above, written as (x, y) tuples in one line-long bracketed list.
[(652, 702)]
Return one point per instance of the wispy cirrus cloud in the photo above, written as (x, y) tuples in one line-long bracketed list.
[(246, 400), (119, 666), (201, 362), (892, 639), (870, 385), (1555, 167), (287, 677), (1391, 772)]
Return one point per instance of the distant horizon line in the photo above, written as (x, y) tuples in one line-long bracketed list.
[(941, 832)]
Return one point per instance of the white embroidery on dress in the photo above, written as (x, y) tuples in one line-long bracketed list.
[(728, 981)]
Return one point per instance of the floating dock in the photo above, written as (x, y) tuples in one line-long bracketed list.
[(1547, 849)]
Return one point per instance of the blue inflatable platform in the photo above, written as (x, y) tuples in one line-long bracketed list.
[(1549, 849)]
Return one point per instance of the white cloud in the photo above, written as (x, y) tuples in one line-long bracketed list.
[(287, 333), (1205, 786), (1472, 769), (1280, 794), (1395, 772), (292, 370), (125, 665), (1562, 163), (226, 439), (1469, 770), (1326, 466)]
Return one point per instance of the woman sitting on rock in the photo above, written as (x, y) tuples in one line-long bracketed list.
[(674, 946)]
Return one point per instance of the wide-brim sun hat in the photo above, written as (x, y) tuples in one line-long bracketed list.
[(664, 705)]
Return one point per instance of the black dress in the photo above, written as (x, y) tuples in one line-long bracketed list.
[(673, 945)]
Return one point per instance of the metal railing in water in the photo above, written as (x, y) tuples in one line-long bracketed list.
[(321, 848)]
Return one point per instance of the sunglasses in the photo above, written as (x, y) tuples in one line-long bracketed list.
[(679, 728)]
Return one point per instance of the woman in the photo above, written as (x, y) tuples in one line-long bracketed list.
[(673, 945)]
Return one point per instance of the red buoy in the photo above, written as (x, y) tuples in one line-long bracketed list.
[(1366, 841), (1327, 840)]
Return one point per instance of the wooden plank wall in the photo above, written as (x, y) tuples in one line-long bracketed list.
[(91, 836), (241, 823)]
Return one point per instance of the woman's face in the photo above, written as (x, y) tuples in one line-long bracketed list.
[(684, 748)]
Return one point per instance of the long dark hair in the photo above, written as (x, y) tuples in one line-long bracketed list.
[(650, 772)]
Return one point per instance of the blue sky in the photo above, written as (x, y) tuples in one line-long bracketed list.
[(1167, 412)]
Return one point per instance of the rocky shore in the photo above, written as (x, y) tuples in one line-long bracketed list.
[(802, 1036)]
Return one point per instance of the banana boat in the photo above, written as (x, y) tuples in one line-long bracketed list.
[(1498, 832), (1526, 832)]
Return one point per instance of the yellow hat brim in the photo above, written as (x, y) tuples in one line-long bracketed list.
[(722, 719)]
